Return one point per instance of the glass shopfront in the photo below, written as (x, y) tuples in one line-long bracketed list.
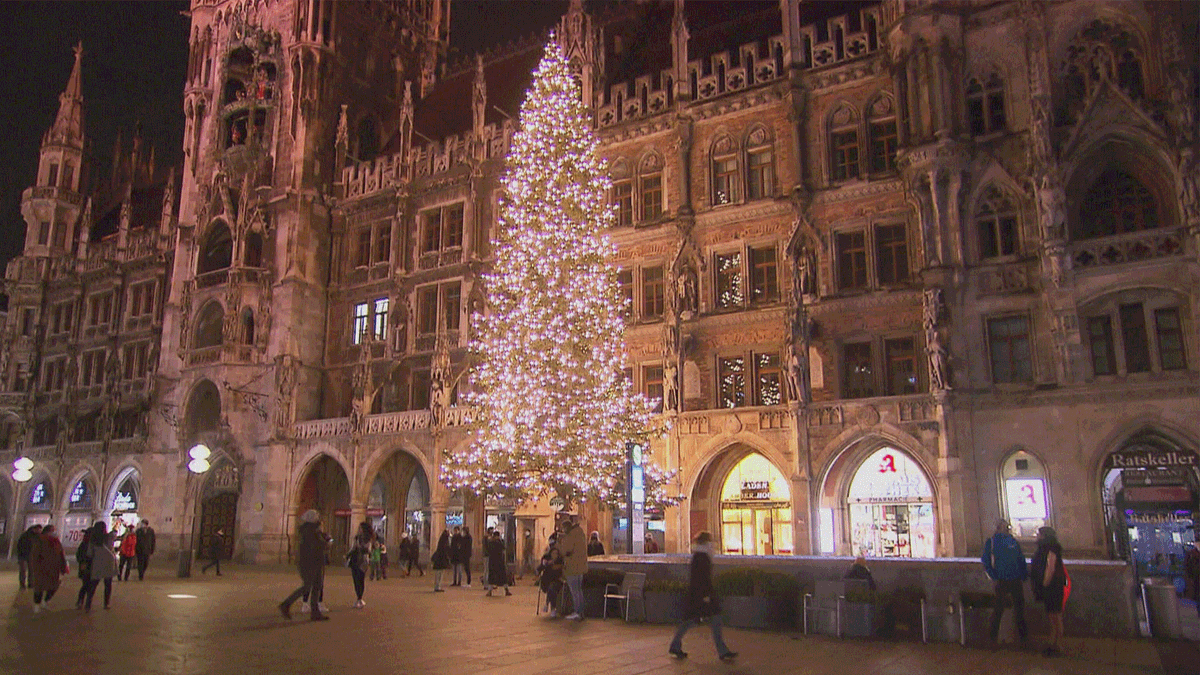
[(891, 508), (756, 510)]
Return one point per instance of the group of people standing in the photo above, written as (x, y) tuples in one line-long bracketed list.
[(454, 550), (100, 557), (1005, 564)]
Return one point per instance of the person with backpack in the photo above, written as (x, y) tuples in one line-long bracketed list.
[(102, 566), (1004, 562), (1051, 584)]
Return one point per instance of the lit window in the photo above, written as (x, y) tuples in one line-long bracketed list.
[(768, 380), (729, 280), (381, 317), (1025, 494), (731, 381), (362, 322)]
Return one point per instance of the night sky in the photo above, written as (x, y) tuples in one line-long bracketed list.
[(134, 62)]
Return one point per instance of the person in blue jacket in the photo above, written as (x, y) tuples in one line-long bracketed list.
[(1004, 562)]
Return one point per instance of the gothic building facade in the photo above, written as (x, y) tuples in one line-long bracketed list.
[(893, 272)]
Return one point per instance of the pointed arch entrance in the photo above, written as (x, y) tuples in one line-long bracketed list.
[(398, 500), (122, 500), (326, 490), (745, 500), (219, 509)]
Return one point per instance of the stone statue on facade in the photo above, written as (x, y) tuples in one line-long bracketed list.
[(670, 386), (935, 350), (687, 294), (439, 377)]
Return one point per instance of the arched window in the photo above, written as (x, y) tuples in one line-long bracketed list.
[(1103, 51), (882, 127), (756, 509), (843, 144), (622, 193), (760, 164), (81, 496), (1117, 203), (209, 326), (726, 176), (204, 408), (985, 105), (39, 497), (996, 224), (247, 326), (217, 252), (891, 507), (253, 254), (1024, 494)]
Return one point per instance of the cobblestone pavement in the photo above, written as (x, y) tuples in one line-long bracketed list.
[(231, 625)]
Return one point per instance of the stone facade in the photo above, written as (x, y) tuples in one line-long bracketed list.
[(963, 232)]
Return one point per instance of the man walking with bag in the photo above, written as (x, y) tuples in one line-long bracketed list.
[(1005, 565)]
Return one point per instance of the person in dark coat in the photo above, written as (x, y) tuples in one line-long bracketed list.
[(1191, 569), (83, 564), (595, 546), (455, 546), (310, 562), (702, 600), (440, 560), (464, 553), (1004, 562), (859, 570), (497, 568), (24, 548), (102, 565), (145, 547), (358, 560), (47, 564), (1048, 578), (550, 575), (216, 548)]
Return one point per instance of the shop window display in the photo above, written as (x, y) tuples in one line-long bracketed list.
[(1025, 494), (891, 508), (756, 510)]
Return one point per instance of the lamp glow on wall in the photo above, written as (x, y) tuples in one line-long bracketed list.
[(199, 454), (22, 469)]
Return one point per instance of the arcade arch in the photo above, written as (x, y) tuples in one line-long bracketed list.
[(398, 498), (325, 489), (745, 500)]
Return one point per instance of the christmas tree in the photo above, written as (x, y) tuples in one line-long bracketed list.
[(553, 410)]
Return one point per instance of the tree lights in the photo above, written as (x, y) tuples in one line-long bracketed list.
[(554, 410)]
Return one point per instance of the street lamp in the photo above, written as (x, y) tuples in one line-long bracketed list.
[(22, 469), (198, 465)]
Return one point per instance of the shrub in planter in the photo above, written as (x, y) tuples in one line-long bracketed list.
[(757, 599), (666, 600)]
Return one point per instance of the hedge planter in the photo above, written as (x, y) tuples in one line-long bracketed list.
[(664, 607), (757, 612), (859, 619)]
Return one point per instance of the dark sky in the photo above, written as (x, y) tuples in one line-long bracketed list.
[(135, 57)]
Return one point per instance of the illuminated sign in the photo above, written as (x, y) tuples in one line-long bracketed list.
[(125, 501), (1026, 498), (1143, 457), (756, 489)]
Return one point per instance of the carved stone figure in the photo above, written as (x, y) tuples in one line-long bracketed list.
[(939, 376), (797, 372), (670, 386), (686, 292), (1051, 206)]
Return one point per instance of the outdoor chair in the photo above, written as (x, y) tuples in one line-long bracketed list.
[(631, 588), (825, 601), (941, 604)]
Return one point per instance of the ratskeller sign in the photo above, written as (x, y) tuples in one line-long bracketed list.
[(1148, 458)]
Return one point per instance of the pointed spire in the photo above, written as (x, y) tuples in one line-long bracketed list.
[(68, 125)]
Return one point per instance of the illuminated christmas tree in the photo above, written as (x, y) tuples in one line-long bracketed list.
[(554, 411)]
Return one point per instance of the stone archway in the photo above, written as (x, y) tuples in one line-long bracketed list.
[(745, 500), (325, 488), (121, 501), (398, 498)]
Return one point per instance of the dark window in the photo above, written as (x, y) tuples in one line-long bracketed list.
[(764, 278), (451, 305), (729, 280), (431, 237), (60, 235), (419, 396), (761, 173), (1117, 204), (996, 223), (725, 180), (52, 178), (1134, 338), (43, 233), (652, 385), (1008, 339), (253, 253), (364, 248), (653, 297), (218, 249), (891, 253), (768, 380), (985, 106), (1171, 351), (852, 260), (383, 243), (427, 310), (625, 285), (453, 230), (1100, 338), (731, 381), (900, 355), (652, 206), (883, 146), (858, 371), (845, 155), (623, 199), (1129, 75)]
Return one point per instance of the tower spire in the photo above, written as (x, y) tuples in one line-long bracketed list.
[(68, 125)]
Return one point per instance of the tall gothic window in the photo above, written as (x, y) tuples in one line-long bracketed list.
[(883, 136), (725, 174), (760, 165), (843, 145), (996, 225), (985, 105)]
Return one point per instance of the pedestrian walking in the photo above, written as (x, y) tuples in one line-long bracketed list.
[(24, 549), (595, 546), (47, 564), (412, 554), (440, 560), (497, 567), (1004, 562), (128, 553), (1051, 584), (376, 549), (527, 554), (455, 563), (103, 565), (464, 553), (83, 563), (358, 560), (550, 575), (574, 552), (702, 601), (383, 561), (310, 562), (216, 549), (1191, 570), (144, 548)]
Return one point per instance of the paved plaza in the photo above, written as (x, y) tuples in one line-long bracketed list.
[(231, 625)]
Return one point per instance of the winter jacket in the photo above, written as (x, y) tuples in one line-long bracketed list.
[(145, 540), (47, 562), (104, 560), (441, 555), (310, 554), (702, 600), (464, 549), (594, 547), (862, 573), (573, 547), (129, 545), (25, 543), (497, 568), (455, 547), (1003, 558)]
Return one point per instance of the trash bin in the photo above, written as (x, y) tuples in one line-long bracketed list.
[(1162, 607)]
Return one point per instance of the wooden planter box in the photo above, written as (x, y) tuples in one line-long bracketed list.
[(664, 607), (757, 612)]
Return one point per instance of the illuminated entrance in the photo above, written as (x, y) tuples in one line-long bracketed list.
[(891, 508), (756, 509)]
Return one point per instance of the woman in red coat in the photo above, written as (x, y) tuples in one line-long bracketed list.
[(48, 563)]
